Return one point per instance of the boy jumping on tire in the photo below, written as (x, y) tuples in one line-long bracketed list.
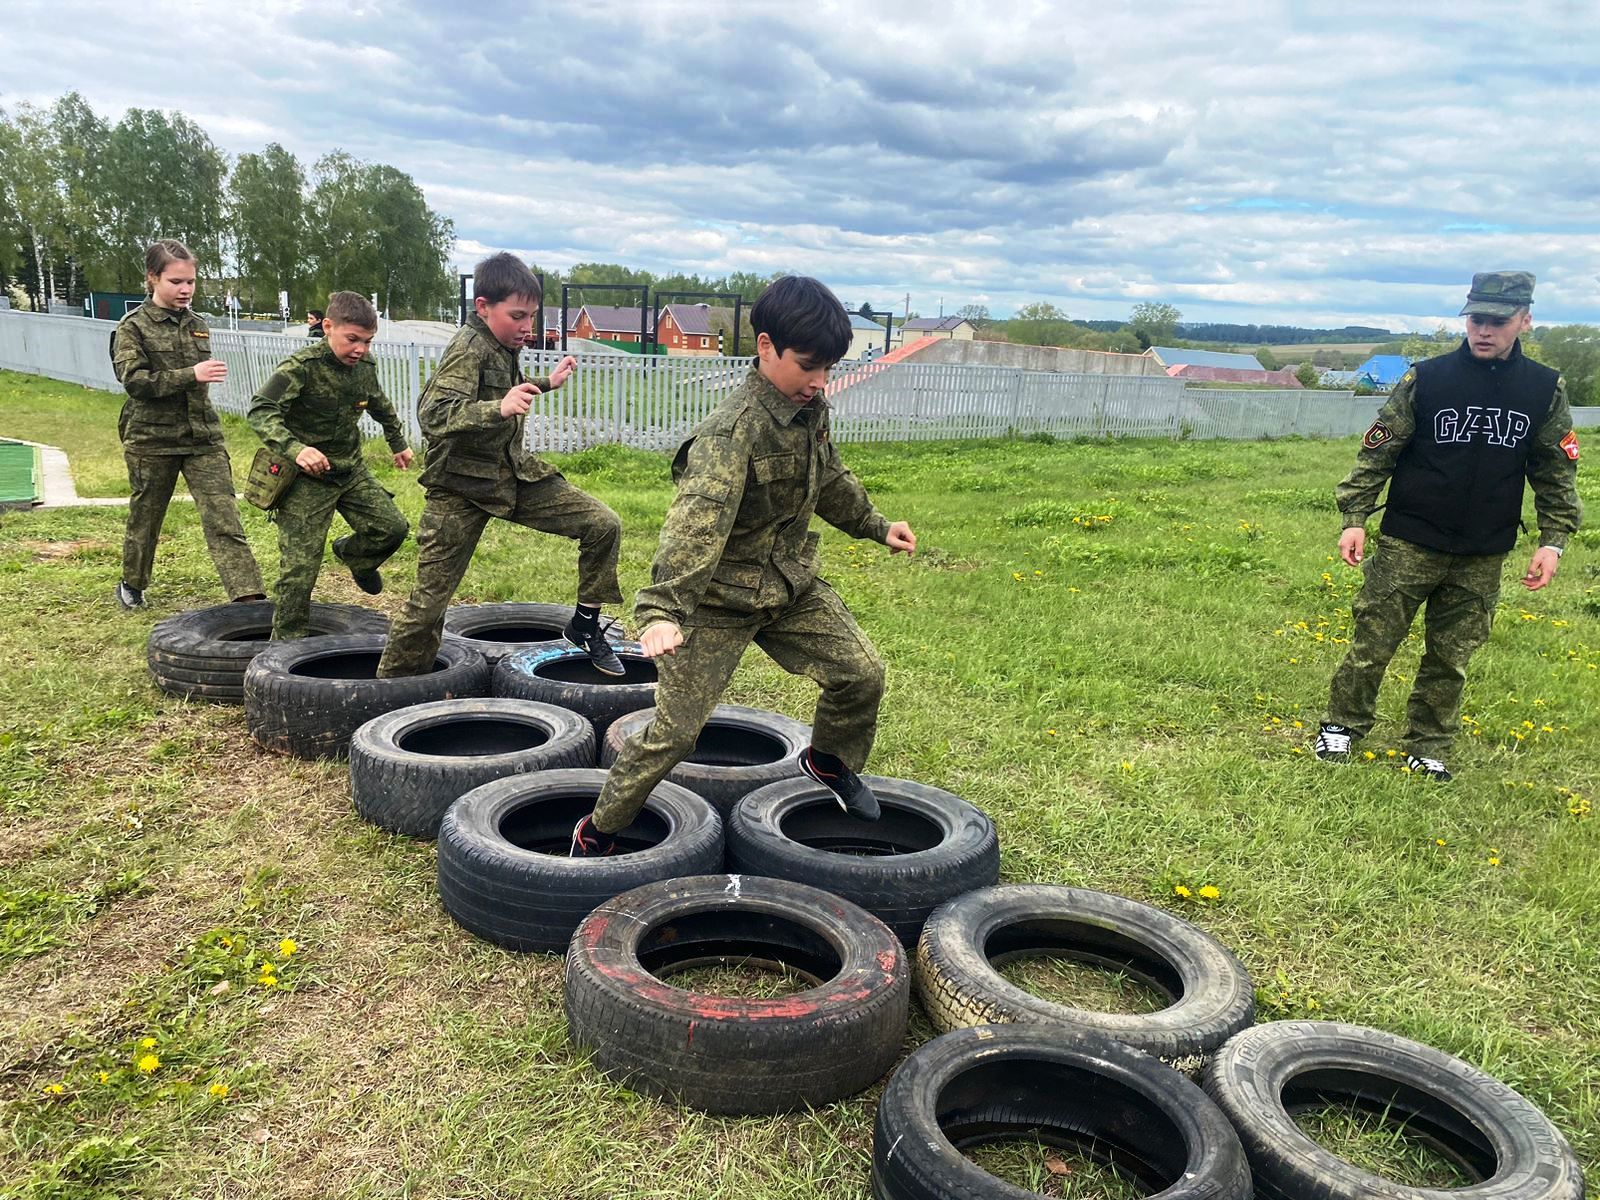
[(737, 564)]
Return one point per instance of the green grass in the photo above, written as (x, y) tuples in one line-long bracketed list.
[(1131, 699)]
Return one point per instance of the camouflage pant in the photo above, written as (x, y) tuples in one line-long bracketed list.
[(815, 636), (1460, 591), (449, 532), (303, 516), (210, 479)]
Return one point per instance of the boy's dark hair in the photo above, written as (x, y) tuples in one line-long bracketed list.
[(351, 308), (798, 313), (501, 276), (314, 312)]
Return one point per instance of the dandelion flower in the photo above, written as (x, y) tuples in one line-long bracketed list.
[(1127, 766), (147, 1043), (148, 1064), (287, 947), (1440, 842), (1494, 860), (219, 1090), (53, 1089), (267, 981), (1210, 893), (1391, 753), (1181, 892), (105, 1076), (1312, 1003), (1368, 755)]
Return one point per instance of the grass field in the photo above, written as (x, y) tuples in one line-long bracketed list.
[(216, 981)]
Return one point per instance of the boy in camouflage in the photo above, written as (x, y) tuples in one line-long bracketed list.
[(161, 353), (477, 466), (310, 411), (1457, 439), (737, 564)]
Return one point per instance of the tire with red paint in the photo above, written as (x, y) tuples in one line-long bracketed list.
[(728, 1054)]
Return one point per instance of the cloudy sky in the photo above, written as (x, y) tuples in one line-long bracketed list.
[(1302, 163)]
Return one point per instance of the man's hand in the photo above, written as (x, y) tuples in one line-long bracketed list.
[(1542, 569), (661, 638), (312, 461), (403, 459), (213, 370), (517, 401), (900, 538), (1352, 545), (563, 371)]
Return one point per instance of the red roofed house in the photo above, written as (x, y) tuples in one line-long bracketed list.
[(608, 323), (686, 329)]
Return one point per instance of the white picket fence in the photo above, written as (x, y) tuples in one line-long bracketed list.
[(653, 402)]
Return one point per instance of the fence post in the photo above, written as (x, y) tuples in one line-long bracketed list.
[(1016, 405)]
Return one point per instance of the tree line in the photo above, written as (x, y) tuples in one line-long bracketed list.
[(81, 198)]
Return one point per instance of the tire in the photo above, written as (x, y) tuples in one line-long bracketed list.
[(560, 674), (965, 939), (1486, 1128), (740, 749), (496, 630), (504, 873), (407, 767), (1072, 1089), (926, 848), (202, 655), (726, 1054), (306, 698)]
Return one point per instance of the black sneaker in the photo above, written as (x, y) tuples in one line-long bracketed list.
[(1432, 768), (129, 597), (854, 796), (369, 581), (589, 842), (602, 654), (1333, 743)]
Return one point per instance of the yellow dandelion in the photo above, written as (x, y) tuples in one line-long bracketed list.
[(1181, 892), (147, 1043), (105, 1076), (1073, 589), (1312, 1003), (149, 1063), (1210, 893), (1298, 724), (219, 1090), (1368, 755), (1440, 842), (1127, 766), (53, 1089), (1391, 753), (1494, 860), (287, 947), (267, 981), (1017, 575)]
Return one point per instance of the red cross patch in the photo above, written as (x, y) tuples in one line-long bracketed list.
[(1570, 444), (1376, 436), (274, 468)]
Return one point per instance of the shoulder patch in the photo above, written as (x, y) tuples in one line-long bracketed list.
[(1376, 436), (1410, 375), (1570, 444)]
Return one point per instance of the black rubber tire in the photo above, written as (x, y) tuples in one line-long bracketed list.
[(740, 749), (496, 630), (562, 675), (504, 873), (1072, 1089), (407, 767), (1492, 1132), (202, 654), (726, 1054), (294, 705), (927, 847), (963, 941)]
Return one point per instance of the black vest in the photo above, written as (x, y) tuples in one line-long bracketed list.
[(1457, 485)]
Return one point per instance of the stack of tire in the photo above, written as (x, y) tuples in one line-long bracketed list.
[(502, 779)]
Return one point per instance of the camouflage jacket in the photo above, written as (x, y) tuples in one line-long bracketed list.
[(472, 451), (737, 537), (1551, 463), (168, 411), (313, 399)]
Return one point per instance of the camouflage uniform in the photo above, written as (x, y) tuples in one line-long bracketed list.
[(478, 467), (168, 427), (315, 400), (737, 563), (1459, 590)]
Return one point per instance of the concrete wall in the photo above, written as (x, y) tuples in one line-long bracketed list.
[(1039, 358)]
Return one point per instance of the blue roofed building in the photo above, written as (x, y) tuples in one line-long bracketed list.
[(1171, 356), (1383, 371), (866, 337)]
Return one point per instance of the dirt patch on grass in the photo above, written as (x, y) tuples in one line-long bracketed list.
[(56, 551)]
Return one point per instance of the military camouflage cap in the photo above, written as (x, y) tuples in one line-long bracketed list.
[(1499, 293)]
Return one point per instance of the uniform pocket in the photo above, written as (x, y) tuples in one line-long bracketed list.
[(768, 468)]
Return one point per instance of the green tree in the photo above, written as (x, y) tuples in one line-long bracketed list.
[(1574, 350), (29, 193), (1307, 375), (78, 142), (267, 210), (1040, 310), (977, 314), (1418, 346), (1267, 359), (1154, 324)]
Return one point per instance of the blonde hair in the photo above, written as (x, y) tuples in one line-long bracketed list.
[(162, 254)]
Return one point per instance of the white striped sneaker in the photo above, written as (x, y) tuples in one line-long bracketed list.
[(1333, 743), (1431, 767)]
